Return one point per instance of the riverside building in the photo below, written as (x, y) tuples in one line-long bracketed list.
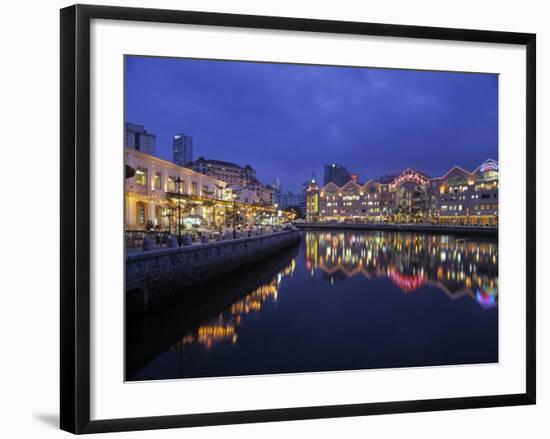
[(226, 171), (241, 179), (159, 194), (458, 197)]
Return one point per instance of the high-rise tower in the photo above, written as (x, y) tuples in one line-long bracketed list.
[(183, 149)]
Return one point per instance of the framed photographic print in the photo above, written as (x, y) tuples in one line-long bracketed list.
[(267, 218)]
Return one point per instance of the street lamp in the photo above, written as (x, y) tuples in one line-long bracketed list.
[(234, 196), (179, 182)]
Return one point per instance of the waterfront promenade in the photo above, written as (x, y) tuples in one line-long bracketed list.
[(153, 275), (416, 228)]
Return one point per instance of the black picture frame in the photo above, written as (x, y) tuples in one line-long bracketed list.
[(75, 217)]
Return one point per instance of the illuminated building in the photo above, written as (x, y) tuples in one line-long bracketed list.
[(160, 193), (458, 197), (265, 194), (466, 197), (226, 171), (255, 193), (312, 201), (303, 196), (148, 192), (242, 179)]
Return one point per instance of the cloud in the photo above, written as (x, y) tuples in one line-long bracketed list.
[(286, 120)]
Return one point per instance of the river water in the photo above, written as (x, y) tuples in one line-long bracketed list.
[(339, 300)]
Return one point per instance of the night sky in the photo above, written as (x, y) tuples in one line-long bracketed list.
[(288, 120)]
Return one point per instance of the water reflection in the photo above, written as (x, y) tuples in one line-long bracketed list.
[(457, 266), (338, 301), (205, 316), (225, 327)]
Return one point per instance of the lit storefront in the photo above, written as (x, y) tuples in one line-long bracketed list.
[(160, 195), (462, 197), (458, 197)]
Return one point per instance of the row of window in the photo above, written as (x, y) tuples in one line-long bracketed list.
[(330, 196), (486, 186), (454, 189), (486, 206), (141, 179), (224, 171), (473, 197), (454, 198), (458, 207), (474, 207), (347, 212)]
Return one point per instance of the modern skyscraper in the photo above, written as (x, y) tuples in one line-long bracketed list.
[(277, 186), (336, 174), (183, 149), (138, 138), (303, 196)]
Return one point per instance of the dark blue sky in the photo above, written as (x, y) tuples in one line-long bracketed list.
[(287, 120)]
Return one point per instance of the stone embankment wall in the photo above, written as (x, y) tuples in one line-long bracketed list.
[(163, 272)]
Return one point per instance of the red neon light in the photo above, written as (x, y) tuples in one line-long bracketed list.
[(488, 167), (415, 177), (406, 282)]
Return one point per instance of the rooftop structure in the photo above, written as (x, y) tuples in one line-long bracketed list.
[(226, 171)]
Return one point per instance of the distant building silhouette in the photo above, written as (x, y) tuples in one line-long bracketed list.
[(289, 199), (336, 174), (182, 149), (136, 137)]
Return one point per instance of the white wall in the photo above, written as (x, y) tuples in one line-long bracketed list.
[(29, 281)]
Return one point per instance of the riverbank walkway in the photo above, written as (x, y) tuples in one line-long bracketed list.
[(159, 272), (415, 228), (139, 241)]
